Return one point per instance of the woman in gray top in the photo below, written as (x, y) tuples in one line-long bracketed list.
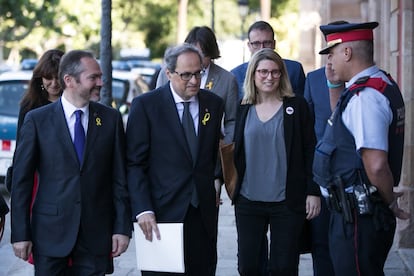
[(274, 144)]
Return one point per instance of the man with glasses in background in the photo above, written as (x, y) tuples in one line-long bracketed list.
[(261, 35), (173, 136)]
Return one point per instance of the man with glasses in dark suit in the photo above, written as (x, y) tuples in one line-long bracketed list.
[(261, 35), (173, 136)]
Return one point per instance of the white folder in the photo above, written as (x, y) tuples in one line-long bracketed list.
[(165, 255)]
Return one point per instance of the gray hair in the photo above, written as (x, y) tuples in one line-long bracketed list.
[(70, 64), (172, 54)]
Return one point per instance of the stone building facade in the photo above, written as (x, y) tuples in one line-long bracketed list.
[(394, 47)]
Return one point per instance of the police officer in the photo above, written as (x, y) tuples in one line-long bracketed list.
[(358, 161)]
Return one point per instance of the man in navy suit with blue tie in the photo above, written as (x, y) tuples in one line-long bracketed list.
[(261, 35), (81, 212), (320, 84), (171, 172)]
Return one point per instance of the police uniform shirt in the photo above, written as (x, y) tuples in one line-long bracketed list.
[(368, 115)]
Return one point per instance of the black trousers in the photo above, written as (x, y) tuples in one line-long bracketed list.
[(252, 220), (200, 251), (361, 248), (81, 262)]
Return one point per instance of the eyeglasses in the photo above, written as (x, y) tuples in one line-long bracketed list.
[(264, 73), (264, 44), (186, 76)]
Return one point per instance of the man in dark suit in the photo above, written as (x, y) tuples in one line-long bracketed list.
[(215, 78), (261, 35), (81, 214), (319, 90), (170, 178)]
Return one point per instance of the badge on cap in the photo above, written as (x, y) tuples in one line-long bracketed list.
[(336, 34)]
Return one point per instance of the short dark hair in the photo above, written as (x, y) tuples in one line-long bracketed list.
[(71, 64), (262, 26), (207, 40)]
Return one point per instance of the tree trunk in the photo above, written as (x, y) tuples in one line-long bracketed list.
[(265, 9), (106, 52), (182, 20)]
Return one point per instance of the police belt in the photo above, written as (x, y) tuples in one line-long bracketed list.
[(361, 199), (335, 204)]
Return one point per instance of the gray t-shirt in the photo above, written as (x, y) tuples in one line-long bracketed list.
[(264, 145)]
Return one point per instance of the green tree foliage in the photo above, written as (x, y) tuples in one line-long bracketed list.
[(154, 19), (278, 7), (41, 24), (19, 17)]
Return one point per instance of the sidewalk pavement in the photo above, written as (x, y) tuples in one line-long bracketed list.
[(400, 262)]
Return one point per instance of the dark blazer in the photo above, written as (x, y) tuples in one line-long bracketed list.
[(294, 69), (160, 169), (317, 96), (92, 195), (300, 145), (224, 84)]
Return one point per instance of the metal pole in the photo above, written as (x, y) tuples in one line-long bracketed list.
[(212, 16), (242, 39), (106, 52)]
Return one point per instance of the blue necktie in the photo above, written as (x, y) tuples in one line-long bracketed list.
[(190, 134), (79, 140)]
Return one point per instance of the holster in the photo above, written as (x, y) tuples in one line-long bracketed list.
[(340, 201)]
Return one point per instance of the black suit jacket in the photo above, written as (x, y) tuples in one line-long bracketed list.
[(160, 169), (300, 144), (92, 195)]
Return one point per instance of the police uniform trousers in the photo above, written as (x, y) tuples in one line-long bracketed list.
[(361, 247)]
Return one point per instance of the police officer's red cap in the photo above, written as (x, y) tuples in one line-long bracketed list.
[(336, 34)]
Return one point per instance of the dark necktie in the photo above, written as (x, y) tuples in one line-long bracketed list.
[(190, 134), (79, 140)]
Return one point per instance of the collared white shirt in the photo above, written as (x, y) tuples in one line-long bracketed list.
[(194, 107), (69, 111), (204, 77)]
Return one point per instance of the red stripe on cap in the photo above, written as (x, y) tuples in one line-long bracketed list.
[(352, 35)]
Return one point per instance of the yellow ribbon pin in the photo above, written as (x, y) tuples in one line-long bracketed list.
[(206, 118), (209, 85), (98, 121)]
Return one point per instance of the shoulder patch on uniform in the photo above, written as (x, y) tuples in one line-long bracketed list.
[(376, 83)]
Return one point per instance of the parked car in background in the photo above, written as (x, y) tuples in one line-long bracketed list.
[(121, 65), (28, 64), (13, 84), (126, 85), (146, 68)]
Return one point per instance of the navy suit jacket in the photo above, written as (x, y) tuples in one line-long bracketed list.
[(294, 69), (317, 96), (300, 145), (160, 169), (92, 195)]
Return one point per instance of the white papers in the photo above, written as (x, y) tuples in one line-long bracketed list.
[(165, 255)]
